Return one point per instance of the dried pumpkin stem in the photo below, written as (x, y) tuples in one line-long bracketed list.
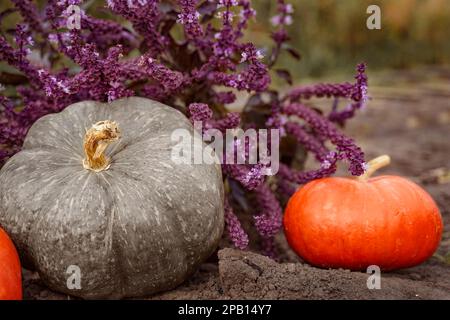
[(374, 165), (96, 140)]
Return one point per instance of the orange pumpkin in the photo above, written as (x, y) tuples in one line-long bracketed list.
[(386, 221), (10, 270)]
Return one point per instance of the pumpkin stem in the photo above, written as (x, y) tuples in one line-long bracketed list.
[(96, 140), (374, 165)]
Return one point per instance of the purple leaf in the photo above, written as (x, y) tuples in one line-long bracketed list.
[(285, 75)]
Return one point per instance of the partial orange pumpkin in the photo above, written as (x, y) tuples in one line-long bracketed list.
[(386, 221), (10, 270)]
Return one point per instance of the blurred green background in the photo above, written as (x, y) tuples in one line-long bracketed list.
[(332, 36)]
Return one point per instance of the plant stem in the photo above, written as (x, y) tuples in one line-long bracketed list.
[(96, 140), (374, 165)]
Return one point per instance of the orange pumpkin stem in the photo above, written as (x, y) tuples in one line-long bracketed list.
[(374, 165), (96, 140)]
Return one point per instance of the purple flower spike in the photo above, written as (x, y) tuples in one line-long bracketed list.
[(235, 231), (322, 90), (189, 18), (269, 221), (359, 96), (200, 112), (346, 147), (308, 140), (248, 176), (230, 121), (30, 14)]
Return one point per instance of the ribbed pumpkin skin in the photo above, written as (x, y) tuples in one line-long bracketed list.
[(140, 227), (387, 221), (10, 270)]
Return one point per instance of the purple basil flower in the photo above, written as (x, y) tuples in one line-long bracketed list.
[(269, 221), (225, 97), (189, 17), (358, 95), (230, 121), (308, 140), (327, 90), (249, 176), (268, 248), (145, 17), (346, 147), (304, 177), (18, 57), (30, 14), (171, 80), (235, 231), (200, 112)]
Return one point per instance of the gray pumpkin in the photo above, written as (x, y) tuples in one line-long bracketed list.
[(132, 220)]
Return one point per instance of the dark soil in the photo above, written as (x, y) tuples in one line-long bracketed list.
[(411, 122)]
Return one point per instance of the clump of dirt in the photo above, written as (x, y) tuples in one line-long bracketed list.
[(410, 123), (261, 278)]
